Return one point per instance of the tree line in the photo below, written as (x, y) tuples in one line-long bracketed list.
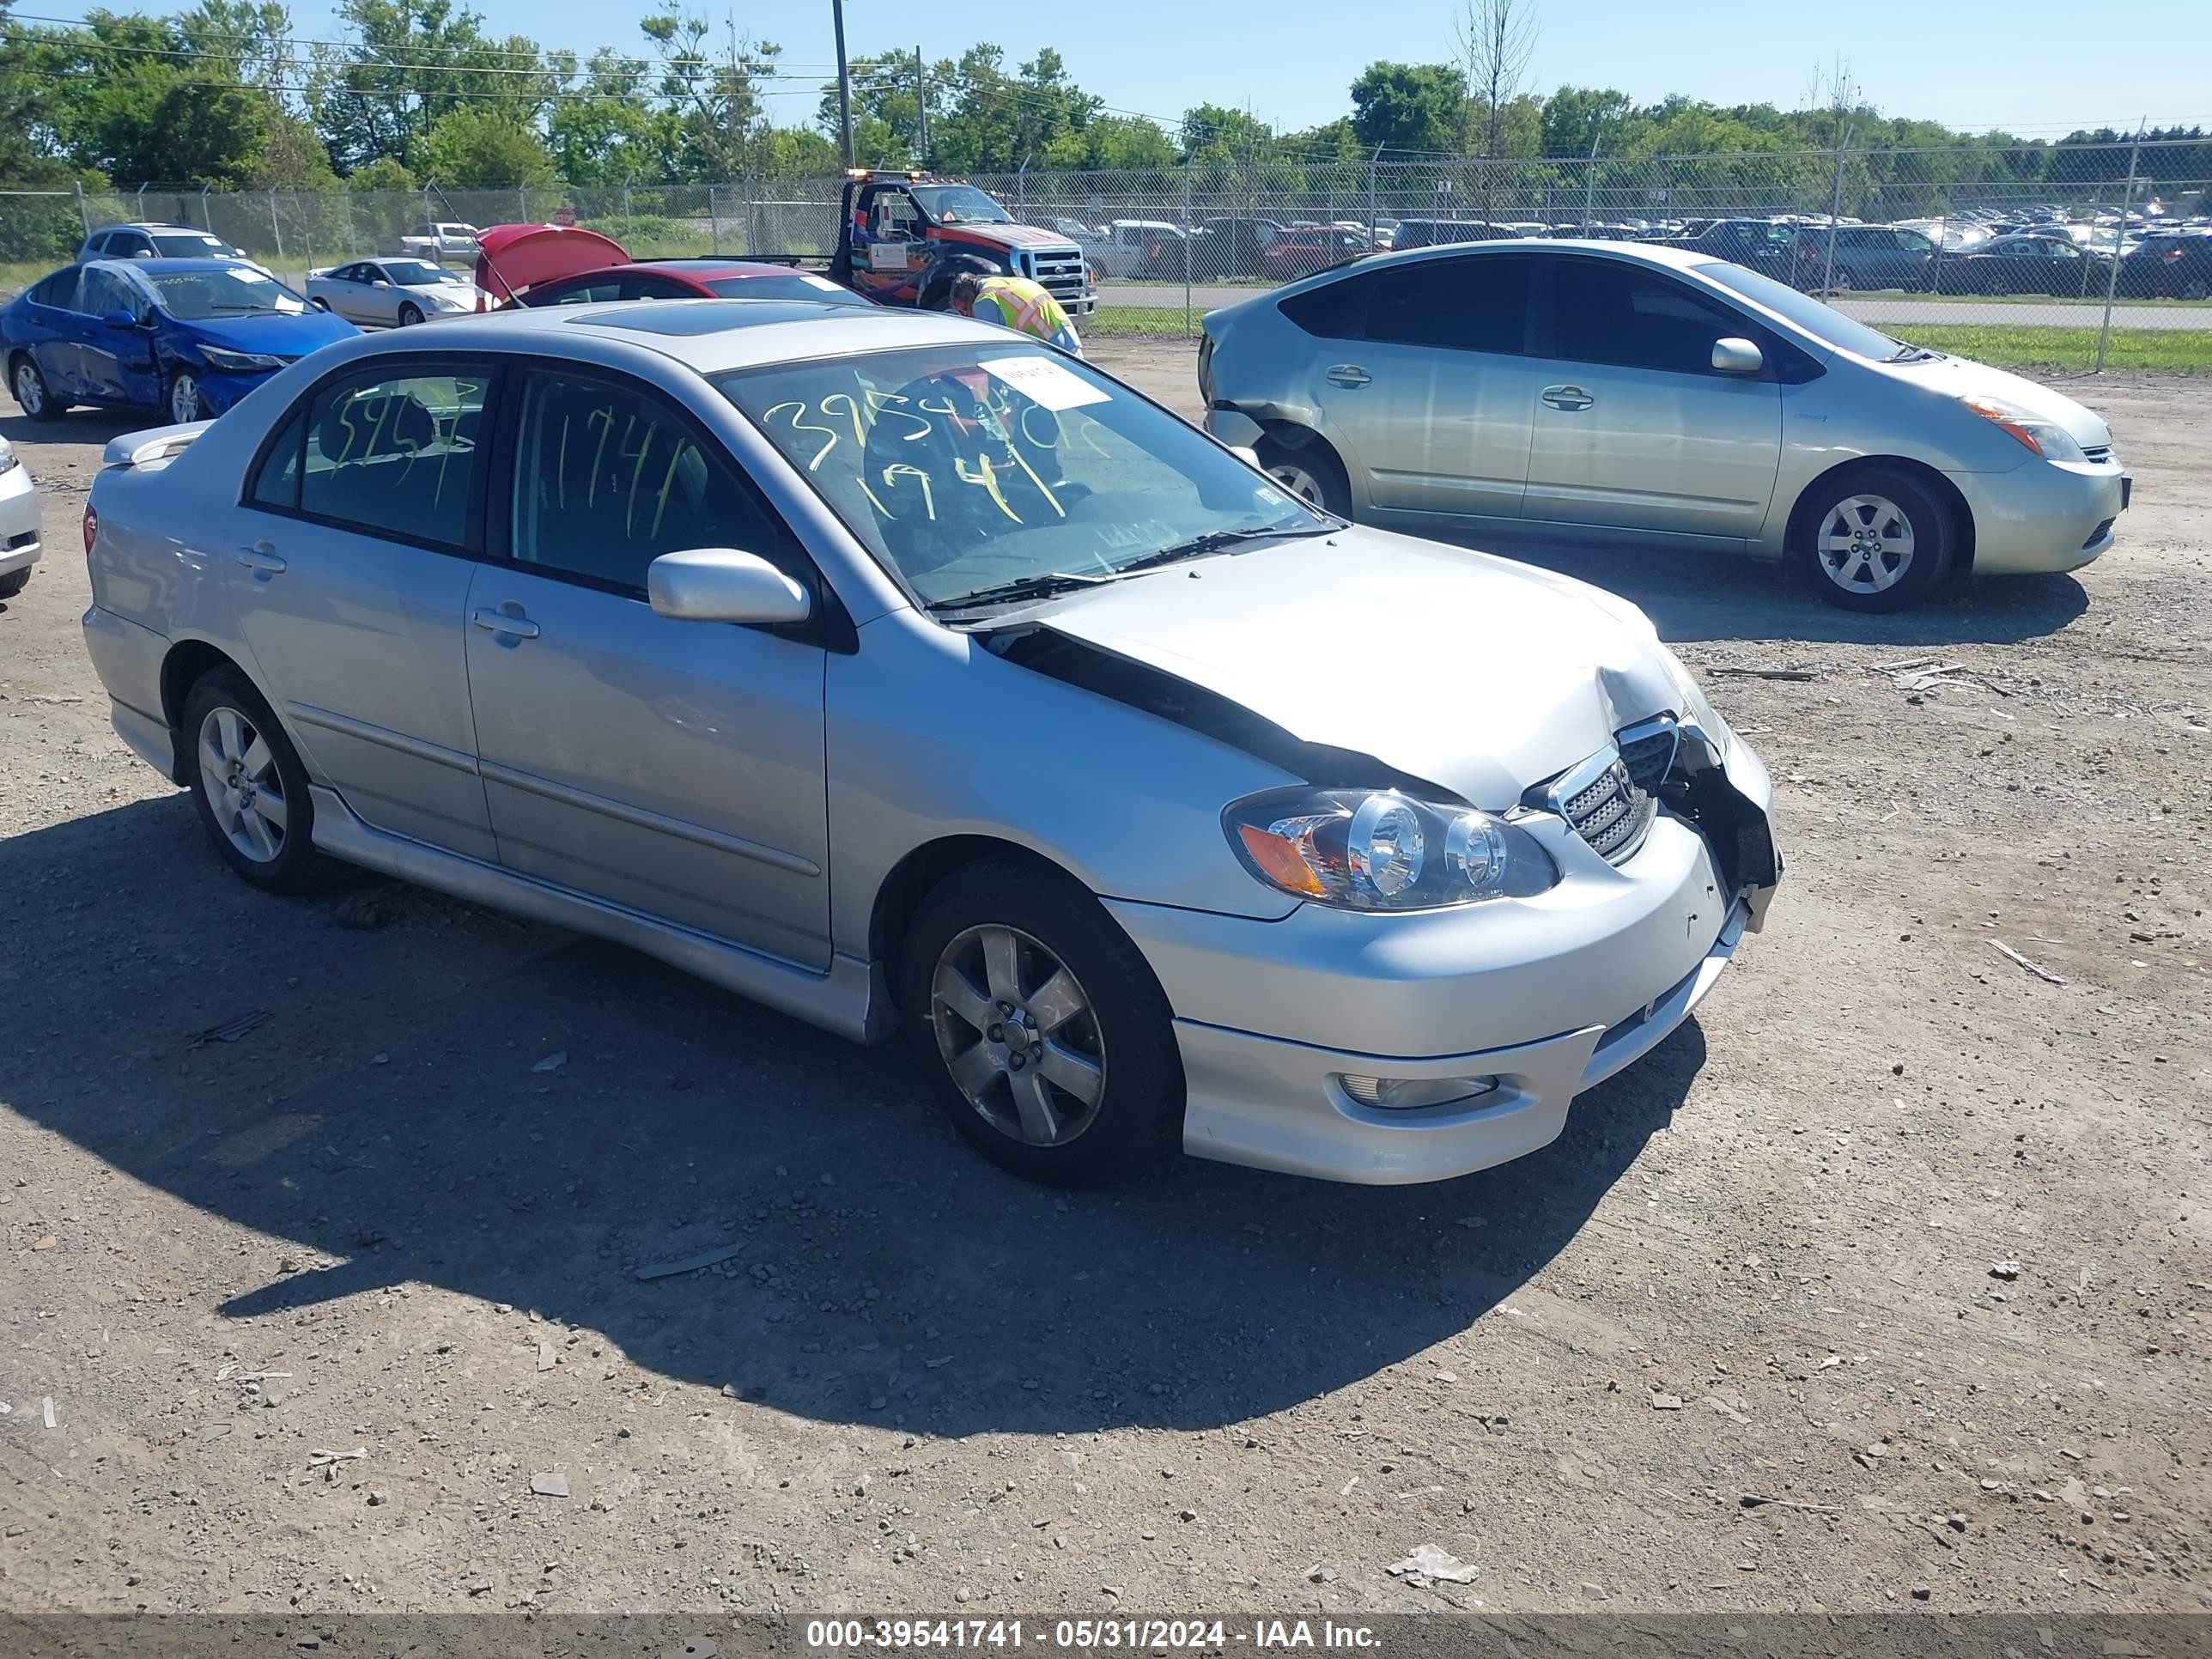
[(225, 95)]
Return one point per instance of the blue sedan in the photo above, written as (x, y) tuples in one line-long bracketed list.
[(189, 337)]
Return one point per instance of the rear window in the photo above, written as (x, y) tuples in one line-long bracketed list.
[(1335, 311)]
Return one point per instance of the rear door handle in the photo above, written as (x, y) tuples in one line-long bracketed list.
[(1348, 374), (261, 559), (505, 621), (1567, 397)]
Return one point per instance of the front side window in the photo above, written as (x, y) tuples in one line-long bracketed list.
[(394, 454), (105, 294), (607, 479), (966, 469), (1608, 313), (1479, 303), (224, 291)]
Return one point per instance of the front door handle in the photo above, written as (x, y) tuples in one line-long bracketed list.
[(261, 559), (1348, 374), (505, 621), (1567, 397)]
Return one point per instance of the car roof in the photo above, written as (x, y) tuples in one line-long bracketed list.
[(703, 265), (150, 224), (710, 336), (159, 267), (1650, 253)]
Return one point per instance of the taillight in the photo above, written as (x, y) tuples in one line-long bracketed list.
[(2174, 253), (91, 527)]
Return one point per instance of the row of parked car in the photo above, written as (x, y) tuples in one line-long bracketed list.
[(2055, 258)]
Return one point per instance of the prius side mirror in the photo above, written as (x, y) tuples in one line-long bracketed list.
[(1733, 356), (720, 584)]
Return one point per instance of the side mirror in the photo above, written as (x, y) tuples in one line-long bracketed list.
[(719, 584), (1734, 356), (120, 320), (1245, 453)]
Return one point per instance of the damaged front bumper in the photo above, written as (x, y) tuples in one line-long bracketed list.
[(1283, 1026)]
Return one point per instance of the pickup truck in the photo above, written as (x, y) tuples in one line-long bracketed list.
[(446, 239), (902, 237)]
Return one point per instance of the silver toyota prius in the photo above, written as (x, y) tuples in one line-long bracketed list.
[(1651, 395), (903, 674)]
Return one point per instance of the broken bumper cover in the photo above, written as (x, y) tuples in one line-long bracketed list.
[(1546, 997)]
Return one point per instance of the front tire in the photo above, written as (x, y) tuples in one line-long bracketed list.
[(1877, 540), (15, 583), (33, 395), (249, 786), (409, 315), (185, 402), (1048, 1040), (1307, 470)]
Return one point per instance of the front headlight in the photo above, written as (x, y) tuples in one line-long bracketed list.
[(8, 461), (1697, 710), (239, 362), (2030, 431), (1363, 849)]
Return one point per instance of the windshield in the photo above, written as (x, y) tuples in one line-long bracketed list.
[(419, 273), (192, 245), (971, 467), (1824, 323), (196, 295), (795, 285), (952, 204)]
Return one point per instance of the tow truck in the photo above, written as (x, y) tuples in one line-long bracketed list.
[(900, 237)]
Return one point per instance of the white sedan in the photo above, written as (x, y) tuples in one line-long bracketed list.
[(390, 293)]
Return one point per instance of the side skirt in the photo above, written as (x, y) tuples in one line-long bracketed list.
[(852, 999)]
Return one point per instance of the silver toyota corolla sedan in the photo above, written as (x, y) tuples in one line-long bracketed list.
[(1625, 391), (897, 672)]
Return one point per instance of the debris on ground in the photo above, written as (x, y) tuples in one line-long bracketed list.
[(552, 1062), (1429, 1564), (2007, 1271), (228, 1031), (553, 1483), (2035, 967), (1666, 1402), (690, 1264)]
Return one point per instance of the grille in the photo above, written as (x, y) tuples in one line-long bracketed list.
[(2099, 533), (1649, 754), (26, 538), (2101, 453), (1611, 814), (1060, 271)]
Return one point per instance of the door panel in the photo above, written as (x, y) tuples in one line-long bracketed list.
[(674, 768), (1633, 428), (355, 635)]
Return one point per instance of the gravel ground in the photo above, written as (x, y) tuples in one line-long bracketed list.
[(1884, 1279)]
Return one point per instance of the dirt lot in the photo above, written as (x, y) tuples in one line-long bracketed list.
[(1776, 1261)]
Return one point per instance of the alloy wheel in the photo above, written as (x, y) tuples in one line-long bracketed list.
[(245, 790), (184, 399), (1865, 544), (1018, 1036), (1300, 483), (30, 392)]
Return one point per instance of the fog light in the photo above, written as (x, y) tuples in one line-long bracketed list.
[(1406, 1094)]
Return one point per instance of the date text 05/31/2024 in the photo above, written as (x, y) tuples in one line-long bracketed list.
[(1086, 1635)]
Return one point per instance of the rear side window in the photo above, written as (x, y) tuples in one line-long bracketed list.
[(395, 455), (59, 290), (1335, 311), (1474, 304), (277, 484), (1604, 312)]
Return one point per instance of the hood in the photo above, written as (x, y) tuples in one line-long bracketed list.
[(1471, 672), (295, 335), (1008, 235), (1961, 377)]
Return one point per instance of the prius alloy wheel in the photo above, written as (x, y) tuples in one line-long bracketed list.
[(1018, 1036), (1048, 1037), (1877, 540)]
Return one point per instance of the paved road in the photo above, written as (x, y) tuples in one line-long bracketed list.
[(1161, 296)]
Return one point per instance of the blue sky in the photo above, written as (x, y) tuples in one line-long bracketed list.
[(2034, 66)]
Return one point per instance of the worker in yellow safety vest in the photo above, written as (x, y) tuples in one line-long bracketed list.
[(1017, 303)]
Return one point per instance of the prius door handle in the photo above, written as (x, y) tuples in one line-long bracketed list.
[(1348, 374), (1567, 397), (261, 559), (505, 621)]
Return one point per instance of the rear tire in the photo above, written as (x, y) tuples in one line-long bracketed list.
[(33, 395), (1050, 1043), (13, 584), (1309, 468), (1876, 538), (249, 786)]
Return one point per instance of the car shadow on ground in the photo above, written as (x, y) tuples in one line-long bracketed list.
[(90, 426), (392, 1104), (1697, 597)]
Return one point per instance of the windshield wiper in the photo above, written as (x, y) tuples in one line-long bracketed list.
[(1214, 540), (1022, 587)]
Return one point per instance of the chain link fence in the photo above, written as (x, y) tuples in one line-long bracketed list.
[(2069, 258)]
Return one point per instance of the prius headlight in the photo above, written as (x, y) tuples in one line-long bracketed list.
[(1378, 849), (2031, 432)]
